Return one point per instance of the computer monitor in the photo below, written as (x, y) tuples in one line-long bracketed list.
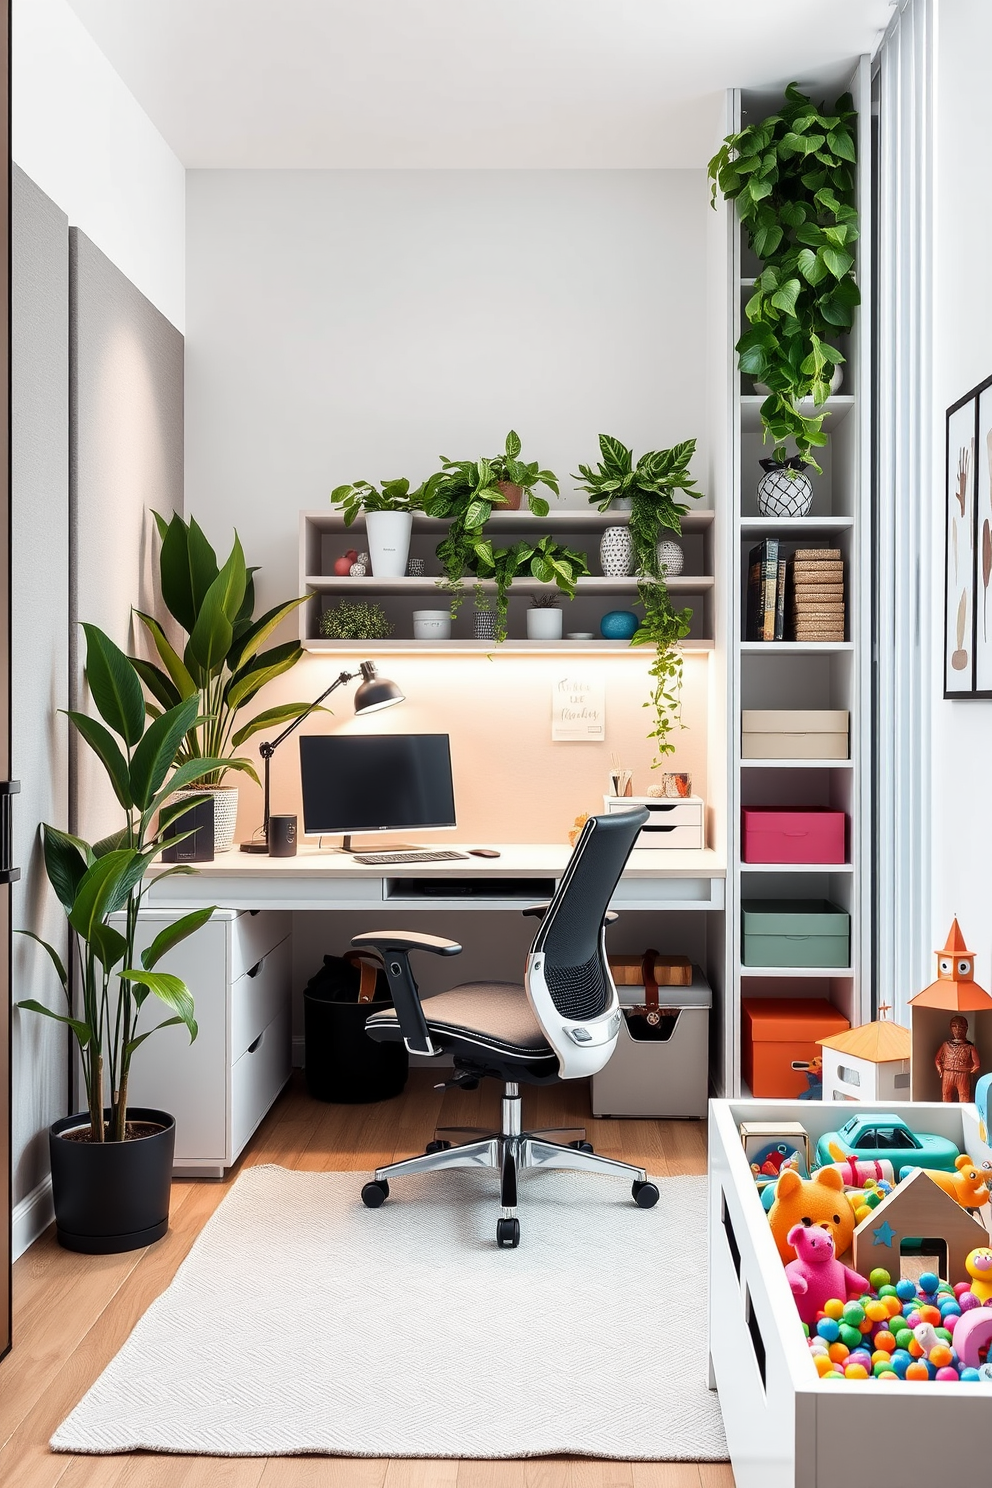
[(375, 783)]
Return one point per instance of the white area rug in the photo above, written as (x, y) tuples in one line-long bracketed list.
[(302, 1322)]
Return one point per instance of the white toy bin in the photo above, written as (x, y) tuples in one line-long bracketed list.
[(787, 1428)]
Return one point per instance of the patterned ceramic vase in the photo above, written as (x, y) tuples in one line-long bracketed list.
[(784, 491), (485, 625), (616, 555), (671, 559)]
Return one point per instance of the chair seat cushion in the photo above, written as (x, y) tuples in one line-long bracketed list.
[(487, 1015)]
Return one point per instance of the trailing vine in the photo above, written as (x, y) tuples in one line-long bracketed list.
[(792, 177), (664, 628)]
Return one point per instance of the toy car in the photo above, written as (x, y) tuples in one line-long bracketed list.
[(877, 1135)]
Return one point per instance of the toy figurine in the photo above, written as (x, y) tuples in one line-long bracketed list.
[(816, 1275), (957, 1061)]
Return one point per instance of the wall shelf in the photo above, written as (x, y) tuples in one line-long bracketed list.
[(511, 647), (797, 764)]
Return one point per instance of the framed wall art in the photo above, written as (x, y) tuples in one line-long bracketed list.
[(959, 550)]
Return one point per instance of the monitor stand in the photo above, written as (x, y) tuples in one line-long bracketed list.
[(349, 846)]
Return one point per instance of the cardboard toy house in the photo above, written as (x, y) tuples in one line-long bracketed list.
[(916, 1209), (955, 995), (870, 1063)]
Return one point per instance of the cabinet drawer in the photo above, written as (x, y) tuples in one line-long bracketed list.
[(257, 1079), (254, 935), (259, 995)]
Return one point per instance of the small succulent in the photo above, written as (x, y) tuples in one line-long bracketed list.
[(545, 601), (355, 620)]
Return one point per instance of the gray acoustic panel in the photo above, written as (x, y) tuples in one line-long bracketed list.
[(126, 459), (39, 647)]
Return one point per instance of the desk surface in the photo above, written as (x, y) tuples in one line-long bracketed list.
[(323, 879)]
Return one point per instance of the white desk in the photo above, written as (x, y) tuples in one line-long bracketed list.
[(322, 879)]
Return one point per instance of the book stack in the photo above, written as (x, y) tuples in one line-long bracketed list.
[(816, 590), (765, 614)]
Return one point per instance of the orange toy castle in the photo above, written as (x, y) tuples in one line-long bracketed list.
[(945, 1059)]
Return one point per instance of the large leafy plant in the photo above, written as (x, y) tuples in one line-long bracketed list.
[(390, 495), (464, 493), (97, 880), (544, 559), (221, 662), (792, 177), (651, 484)]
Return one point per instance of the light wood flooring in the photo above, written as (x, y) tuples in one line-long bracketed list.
[(73, 1312)]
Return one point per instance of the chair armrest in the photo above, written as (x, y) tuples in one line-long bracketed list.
[(395, 946), (406, 940), (540, 910)]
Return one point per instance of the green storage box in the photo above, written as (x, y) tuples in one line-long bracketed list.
[(795, 932)]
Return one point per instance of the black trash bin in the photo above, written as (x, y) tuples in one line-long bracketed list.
[(342, 1063)]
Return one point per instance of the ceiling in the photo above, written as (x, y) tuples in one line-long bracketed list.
[(463, 83)]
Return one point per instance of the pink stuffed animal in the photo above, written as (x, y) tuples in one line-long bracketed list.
[(817, 1275)]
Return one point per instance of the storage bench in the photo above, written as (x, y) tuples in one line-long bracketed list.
[(786, 1428)]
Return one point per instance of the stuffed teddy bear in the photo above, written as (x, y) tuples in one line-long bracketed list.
[(817, 1275), (819, 1200)]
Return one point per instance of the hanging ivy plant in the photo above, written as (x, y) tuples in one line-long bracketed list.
[(792, 177)]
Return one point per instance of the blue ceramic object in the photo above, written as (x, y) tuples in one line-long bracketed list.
[(618, 625)]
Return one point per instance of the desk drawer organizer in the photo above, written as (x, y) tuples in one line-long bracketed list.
[(785, 1427), (238, 967), (789, 733), (807, 835), (664, 1076), (780, 1033), (672, 824), (794, 932)]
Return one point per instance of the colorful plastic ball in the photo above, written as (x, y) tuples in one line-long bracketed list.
[(824, 1365), (859, 1356), (901, 1361), (834, 1308), (876, 1311), (906, 1289), (888, 1290), (834, 1374), (928, 1282), (855, 1371), (885, 1340), (944, 1334), (917, 1371), (916, 1349), (904, 1337), (829, 1329), (961, 1286), (950, 1307), (879, 1278), (969, 1376), (854, 1313), (850, 1336), (881, 1356), (947, 1374), (950, 1323), (930, 1314), (893, 1305), (887, 1374), (941, 1357), (838, 1352), (967, 1300)]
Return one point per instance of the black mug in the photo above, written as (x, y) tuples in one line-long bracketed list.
[(282, 836)]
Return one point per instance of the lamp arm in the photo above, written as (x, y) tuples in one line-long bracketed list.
[(268, 750)]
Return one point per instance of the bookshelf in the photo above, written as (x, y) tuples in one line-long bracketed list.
[(807, 674)]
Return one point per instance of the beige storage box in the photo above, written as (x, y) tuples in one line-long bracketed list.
[(789, 733), (661, 1071), (674, 822)]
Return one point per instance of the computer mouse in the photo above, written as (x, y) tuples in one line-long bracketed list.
[(483, 852)]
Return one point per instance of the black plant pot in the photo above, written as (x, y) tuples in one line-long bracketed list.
[(112, 1196)]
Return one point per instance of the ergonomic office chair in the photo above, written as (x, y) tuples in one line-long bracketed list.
[(561, 1024)]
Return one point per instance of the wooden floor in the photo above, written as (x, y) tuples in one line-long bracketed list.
[(73, 1312)]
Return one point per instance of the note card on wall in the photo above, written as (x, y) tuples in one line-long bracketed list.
[(578, 706)]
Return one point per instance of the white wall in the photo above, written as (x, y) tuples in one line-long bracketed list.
[(962, 731), (80, 135)]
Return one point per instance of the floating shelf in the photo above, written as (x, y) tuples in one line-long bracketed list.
[(795, 648), (559, 519), (370, 585), (817, 972), (838, 406), (797, 764), (796, 867), (512, 647), (777, 526)]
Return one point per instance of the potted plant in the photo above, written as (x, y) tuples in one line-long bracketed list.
[(464, 492), (792, 177), (546, 560), (389, 510), (650, 484), (355, 620), (112, 1163), (544, 617), (220, 662)]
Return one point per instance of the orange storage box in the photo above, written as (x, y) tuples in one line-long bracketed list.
[(780, 1057)]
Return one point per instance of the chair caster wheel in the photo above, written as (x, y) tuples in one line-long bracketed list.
[(646, 1195), (375, 1193), (508, 1233), (582, 1146), (437, 1146)]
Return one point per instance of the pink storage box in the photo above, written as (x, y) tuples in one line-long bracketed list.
[(808, 835)]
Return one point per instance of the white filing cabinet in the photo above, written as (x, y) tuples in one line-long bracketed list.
[(238, 968)]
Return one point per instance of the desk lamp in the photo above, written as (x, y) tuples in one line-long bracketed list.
[(373, 694)]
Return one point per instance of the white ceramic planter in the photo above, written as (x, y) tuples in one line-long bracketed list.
[(432, 625), (544, 624), (389, 542)]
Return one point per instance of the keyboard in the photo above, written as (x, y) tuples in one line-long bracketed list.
[(373, 859)]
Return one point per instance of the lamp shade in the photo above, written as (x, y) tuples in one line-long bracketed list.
[(375, 692)]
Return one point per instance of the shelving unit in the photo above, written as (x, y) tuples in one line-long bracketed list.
[(324, 537), (795, 675)]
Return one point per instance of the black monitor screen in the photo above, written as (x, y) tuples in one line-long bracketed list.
[(376, 782)]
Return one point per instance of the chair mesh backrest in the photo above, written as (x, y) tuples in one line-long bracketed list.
[(570, 934)]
